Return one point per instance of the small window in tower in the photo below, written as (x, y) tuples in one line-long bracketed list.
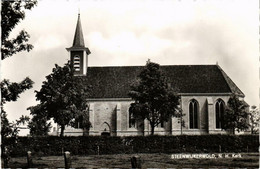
[(76, 63)]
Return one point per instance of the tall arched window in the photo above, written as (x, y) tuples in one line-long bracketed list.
[(193, 112), (76, 63), (132, 121), (219, 111)]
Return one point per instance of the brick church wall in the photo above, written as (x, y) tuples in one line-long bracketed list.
[(114, 116)]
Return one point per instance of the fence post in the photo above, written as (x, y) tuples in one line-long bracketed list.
[(136, 162), (29, 159), (184, 148), (67, 160), (98, 150), (219, 147)]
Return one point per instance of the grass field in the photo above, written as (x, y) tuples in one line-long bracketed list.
[(247, 160)]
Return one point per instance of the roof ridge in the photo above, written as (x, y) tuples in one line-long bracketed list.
[(232, 86)]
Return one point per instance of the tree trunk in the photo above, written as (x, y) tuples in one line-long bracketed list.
[(152, 129), (62, 130), (181, 124), (85, 132)]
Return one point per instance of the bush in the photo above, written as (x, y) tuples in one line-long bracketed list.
[(86, 145)]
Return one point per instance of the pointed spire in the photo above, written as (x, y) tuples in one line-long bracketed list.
[(78, 37), (78, 42)]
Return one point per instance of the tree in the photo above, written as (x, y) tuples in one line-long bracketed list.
[(83, 119), (63, 96), (155, 100), (39, 125), (10, 92), (254, 118), (236, 115), (6, 129), (11, 14), (9, 130)]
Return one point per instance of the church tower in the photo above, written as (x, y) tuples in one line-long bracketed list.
[(78, 52)]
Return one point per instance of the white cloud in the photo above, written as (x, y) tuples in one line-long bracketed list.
[(48, 42)]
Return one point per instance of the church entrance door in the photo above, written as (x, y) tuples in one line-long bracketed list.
[(105, 129)]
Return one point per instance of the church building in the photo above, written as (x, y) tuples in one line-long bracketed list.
[(204, 92)]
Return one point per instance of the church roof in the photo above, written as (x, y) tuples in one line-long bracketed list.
[(78, 37), (234, 89), (115, 82)]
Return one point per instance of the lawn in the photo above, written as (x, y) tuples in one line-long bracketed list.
[(247, 160)]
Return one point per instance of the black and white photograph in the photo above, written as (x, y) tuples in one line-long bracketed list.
[(130, 84)]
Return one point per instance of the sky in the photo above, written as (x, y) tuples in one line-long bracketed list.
[(129, 32)]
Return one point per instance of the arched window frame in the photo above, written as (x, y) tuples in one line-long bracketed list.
[(131, 121), (76, 62), (193, 114), (219, 113), (162, 124)]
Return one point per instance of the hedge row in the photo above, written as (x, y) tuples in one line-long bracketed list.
[(139, 144)]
